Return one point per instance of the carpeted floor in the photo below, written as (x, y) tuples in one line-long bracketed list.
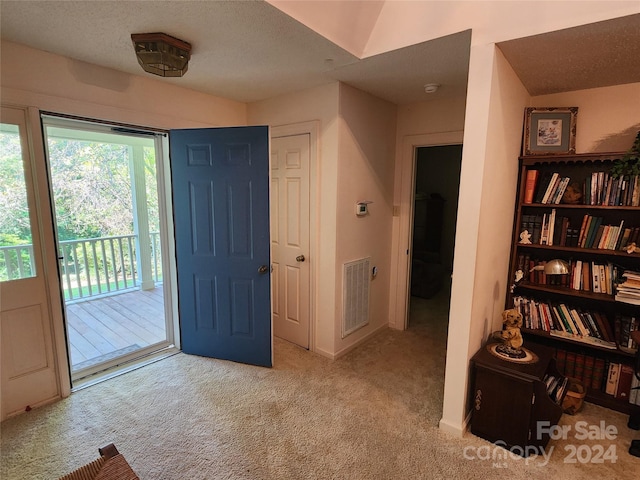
[(372, 414)]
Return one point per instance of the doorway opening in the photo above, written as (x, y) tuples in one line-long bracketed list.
[(437, 182), (110, 222)]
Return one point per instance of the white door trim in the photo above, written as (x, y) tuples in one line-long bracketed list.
[(49, 250), (311, 128), (401, 243)]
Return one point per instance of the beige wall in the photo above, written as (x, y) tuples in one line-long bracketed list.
[(347, 24), (487, 194), (356, 155), (595, 133), (366, 136), (367, 28), (491, 21), (433, 122), (62, 85), (431, 116), (318, 104)]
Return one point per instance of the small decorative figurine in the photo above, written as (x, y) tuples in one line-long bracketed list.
[(510, 333), (525, 237), (510, 346)]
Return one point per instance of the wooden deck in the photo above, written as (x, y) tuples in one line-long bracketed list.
[(104, 328)]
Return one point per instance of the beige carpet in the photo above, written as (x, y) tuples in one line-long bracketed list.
[(372, 414)]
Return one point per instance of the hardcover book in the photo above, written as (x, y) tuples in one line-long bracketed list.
[(530, 185)]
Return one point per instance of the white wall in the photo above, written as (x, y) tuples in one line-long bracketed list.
[(367, 127), (317, 104), (59, 84)]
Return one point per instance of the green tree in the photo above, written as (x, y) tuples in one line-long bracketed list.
[(92, 188), (14, 210)]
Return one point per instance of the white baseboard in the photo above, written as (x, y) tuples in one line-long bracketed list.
[(324, 353), (455, 429), (346, 350)]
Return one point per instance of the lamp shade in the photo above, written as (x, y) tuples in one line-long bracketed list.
[(161, 54), (556, 267)]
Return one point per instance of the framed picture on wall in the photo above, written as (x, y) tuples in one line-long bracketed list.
[(549, 130)]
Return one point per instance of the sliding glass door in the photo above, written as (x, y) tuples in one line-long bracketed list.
[(108, 214)]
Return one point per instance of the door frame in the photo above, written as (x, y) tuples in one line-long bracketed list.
[(312, 129), (43, 216), (50, 253), (403, 228), (124, 364)]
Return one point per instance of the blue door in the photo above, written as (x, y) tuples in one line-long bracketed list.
[(220, 179)]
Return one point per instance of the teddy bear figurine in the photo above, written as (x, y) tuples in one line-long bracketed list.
[(511, 324), (510, 334)]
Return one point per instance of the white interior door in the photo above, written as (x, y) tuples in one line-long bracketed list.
[(29, 376), (290, 237)]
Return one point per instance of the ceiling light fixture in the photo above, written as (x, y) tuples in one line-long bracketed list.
[(431, 87), (161, 54)]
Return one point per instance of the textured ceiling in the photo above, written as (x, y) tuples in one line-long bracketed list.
[(595, 55), (242, 50), (249, 50)]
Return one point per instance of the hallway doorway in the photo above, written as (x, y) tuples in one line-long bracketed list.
[(437, 182)]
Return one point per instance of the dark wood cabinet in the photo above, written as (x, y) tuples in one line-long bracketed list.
[(510, 401)]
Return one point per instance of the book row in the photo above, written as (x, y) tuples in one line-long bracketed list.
[(623, 327), (583, 275), (551, 229), (547, 317), (556, 386), (628, 291), (605, 189), (600, 374), (583, 326), (598, 188), (593, 234), (561, 320)]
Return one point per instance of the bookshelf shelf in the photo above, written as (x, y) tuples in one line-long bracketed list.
[(608, 401), (592, 239), (588, 158), (582, 251), (582, 207), (601, 297), (576, 342)]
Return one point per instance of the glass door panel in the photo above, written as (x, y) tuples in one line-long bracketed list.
[(105, 195)]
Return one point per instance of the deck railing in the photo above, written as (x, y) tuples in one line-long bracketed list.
[(16, 262), (89, 267)]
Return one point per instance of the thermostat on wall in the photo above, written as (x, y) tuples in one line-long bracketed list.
[(362, 208)]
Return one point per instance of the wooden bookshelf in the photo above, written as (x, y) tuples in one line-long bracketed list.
[(611, 208)]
